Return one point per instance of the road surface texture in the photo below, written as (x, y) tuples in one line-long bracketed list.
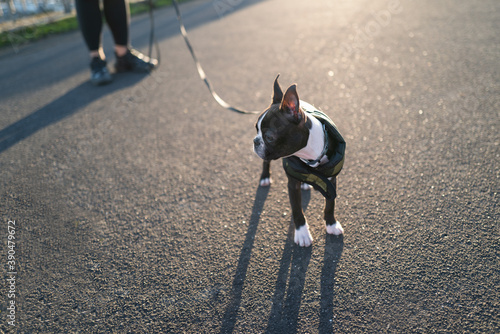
[(137, 204)]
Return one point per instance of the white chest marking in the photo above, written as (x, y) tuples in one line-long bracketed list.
[(315, 142)]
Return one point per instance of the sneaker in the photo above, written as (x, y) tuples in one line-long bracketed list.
[(134, 61), (99, 74)]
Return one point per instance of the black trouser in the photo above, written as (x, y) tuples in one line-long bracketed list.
[(90, 20)]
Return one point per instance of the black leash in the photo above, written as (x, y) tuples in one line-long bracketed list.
[(202, 74)]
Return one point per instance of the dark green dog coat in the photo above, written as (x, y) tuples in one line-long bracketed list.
[(318, 176)]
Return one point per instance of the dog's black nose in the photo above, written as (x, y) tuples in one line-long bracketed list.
[(256, 142)]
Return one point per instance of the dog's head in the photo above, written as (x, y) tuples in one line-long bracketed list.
[(281, 128)]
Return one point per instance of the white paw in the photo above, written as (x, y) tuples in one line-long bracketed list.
[(302, 236), (335, 229), (305, 186), (265, 182)]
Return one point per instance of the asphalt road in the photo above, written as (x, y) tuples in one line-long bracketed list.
[(137, 204)]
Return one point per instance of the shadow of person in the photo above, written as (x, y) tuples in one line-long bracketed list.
[(229, 320), (61, 108), (334, 246)]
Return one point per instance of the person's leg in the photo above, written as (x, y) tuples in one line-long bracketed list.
[(127, 59), (117, 16), (90, 21)]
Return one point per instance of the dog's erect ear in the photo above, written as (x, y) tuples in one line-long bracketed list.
[(290, 104), (278, 94)]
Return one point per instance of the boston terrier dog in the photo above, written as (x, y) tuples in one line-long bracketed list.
[(312, 150)]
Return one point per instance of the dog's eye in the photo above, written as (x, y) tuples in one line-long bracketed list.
[(269, 138)]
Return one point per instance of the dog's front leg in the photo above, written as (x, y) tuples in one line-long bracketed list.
[(332, 225), (302, 236), (265, 177)]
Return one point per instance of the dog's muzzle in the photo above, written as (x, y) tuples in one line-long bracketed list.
[(259, 147)]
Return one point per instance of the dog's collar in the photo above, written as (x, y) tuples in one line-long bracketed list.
[(315, 163)]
